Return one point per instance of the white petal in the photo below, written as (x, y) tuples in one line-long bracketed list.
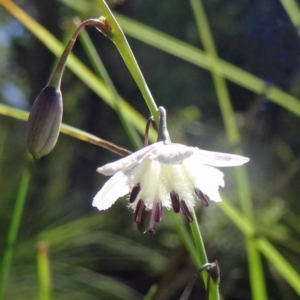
[(171, 153), (114, 188), (125, 162), (205, 178), (218, 159)]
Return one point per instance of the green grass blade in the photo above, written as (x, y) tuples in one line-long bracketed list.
[(43, 267), (67, 129), (121, 43), (292, 9), (14, 229), (198, 57), (266, 248), (233, 137)]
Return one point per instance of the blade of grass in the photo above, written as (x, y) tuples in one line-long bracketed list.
[(232, 132), (267, 249), (43, 266), (184, 237), (69, 130), (202, 257), (292, 9), (121, 43), (14, 229), (199, 58)]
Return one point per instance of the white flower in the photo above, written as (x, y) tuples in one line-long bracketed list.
[(165, 174)]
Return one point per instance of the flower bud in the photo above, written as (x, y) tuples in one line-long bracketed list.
[(44, 122)]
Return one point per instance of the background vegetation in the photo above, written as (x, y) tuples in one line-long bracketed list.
[(231, 86)]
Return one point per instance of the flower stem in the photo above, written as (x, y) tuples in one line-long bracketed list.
[(202, 257), (43, 266), (119, 39), (101, 72), (55, 79), (13, 230)]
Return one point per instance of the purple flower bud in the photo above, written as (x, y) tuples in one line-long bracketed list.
[(44, 122)]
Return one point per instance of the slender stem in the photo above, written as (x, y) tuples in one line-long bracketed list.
[(55, 79), (43, 267), (121, 43), (69, 130), (13, 230), (184, 237), (202, 257), (198, 240), (233, 136), (101, 72)]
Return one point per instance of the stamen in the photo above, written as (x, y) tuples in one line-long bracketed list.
[(153, 217), (186, 211), (134, 192), (158, 212), (143, 225), (152, 122), (140, 208), (204, 198), (175, 201)]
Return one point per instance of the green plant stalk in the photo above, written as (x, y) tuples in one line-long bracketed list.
[(55, 79), (13, 230), (202, 257), (255, 265), (266, 248), (101, 71), (151, 292), (185, 237), (293, 11), (199, 58), (69, 130), (201, 253), (121, 43), (43, 267)]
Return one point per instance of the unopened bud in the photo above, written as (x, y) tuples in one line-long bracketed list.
[(214, 273), (44, 122)]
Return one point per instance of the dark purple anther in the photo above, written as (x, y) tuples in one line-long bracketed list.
[(139, 211), (158, 212), (175, 201), (204, 198), (151, 231), (186, 211), (134, 192)]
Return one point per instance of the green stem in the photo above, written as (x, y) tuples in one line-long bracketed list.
[(101, 72), (121, 43), (43, 267), (255, 265), (202, 257), (55, 79), (69, 130), (184, 237), (13, 230)]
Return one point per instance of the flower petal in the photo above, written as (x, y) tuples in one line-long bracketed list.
[(218, 159), (114, 167), (114, 188), (171, 154), (205, 178)]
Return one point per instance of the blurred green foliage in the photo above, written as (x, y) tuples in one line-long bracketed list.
[(101, 255)]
